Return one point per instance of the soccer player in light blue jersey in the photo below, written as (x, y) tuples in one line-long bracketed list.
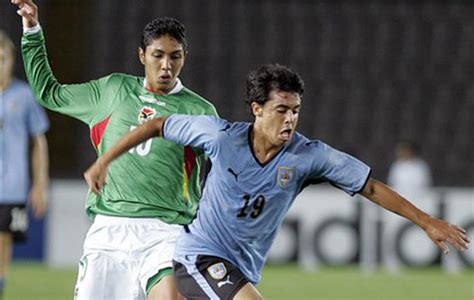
[(258, 169), (22, 123)]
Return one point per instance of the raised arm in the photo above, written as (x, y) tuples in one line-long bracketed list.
[(81, 101), (437, 230), (97, 173)]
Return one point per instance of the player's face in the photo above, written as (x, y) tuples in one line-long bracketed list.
[(278, 117), (6, 63), (163, 59)]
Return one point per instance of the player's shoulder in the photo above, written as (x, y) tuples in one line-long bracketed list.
[(311, 148), (224, 128), (116, 81), (231, 134), (235, 129), (121, 78), (210, 121), (195, 98), (301, 143)]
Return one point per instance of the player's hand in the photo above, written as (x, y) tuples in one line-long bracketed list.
[(28, 12), (95, 176), (441, 232), (38, 201)]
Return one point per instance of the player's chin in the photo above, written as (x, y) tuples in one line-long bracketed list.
[(284, 138)]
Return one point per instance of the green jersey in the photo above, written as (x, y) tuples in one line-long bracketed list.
[(155, 179)]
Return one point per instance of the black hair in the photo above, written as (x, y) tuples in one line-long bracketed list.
[(164, 26), (409, 144), (272, 77)]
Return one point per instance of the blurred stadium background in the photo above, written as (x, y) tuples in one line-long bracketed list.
[(376, 72)]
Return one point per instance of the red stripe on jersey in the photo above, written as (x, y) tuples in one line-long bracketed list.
[(97, 131), (189, 160), (155, 92)]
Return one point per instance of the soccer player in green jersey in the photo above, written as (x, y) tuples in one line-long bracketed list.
[(155, 187)]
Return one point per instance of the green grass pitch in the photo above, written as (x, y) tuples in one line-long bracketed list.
[(32, 281)]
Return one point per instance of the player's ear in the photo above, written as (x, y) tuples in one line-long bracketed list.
[(141, 55), (257, 109)]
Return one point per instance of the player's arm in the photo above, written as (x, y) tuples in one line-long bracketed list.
[(97, 173), (437, 230), (40, 163), (77, 100)]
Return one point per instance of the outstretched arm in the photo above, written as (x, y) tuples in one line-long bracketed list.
[(437, 230), (97, 173)]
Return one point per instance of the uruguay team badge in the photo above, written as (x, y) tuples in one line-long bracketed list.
[(217, 271), (146, 114), (284, 176)]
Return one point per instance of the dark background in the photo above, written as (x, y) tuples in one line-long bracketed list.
[(376, 72)]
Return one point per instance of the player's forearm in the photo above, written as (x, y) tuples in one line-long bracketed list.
[(40, 162), (142, 133), (382, 195)]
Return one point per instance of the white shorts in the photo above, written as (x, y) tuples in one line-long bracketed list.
[(121, 255)]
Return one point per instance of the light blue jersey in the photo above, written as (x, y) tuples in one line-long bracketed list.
[(244, 202), (20, 119)]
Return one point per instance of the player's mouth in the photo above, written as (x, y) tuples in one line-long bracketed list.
[(286, 134), (165, 79)]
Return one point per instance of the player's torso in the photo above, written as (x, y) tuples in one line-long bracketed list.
[(245, 200), (152, 176), (14, 138)]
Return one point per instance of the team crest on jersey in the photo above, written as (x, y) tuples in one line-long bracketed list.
[(217, 271), (146, 114), (284, 176)]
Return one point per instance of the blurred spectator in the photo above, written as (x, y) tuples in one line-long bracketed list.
[(21, 119), (409, 174)]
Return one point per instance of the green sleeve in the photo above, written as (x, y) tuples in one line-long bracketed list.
[(81, 101)]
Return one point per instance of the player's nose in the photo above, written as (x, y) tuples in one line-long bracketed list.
[(166, 63)]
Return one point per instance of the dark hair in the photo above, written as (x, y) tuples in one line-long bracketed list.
[(164, 26), (272, 77), (411, 145)]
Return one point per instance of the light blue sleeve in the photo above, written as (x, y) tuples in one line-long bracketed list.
[(201, 131), (38, 122), (339, 168)]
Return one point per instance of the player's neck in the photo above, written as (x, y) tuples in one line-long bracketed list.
[(264, 150), (156, 89)]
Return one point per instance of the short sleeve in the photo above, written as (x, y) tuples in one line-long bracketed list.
[(38, 122), (339, 168), (197, 131)]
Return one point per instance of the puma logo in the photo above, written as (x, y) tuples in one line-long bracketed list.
[(233, 173), (224, 282), (225, 129)]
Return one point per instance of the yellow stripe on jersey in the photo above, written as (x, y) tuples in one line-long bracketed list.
[(185, 183)]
